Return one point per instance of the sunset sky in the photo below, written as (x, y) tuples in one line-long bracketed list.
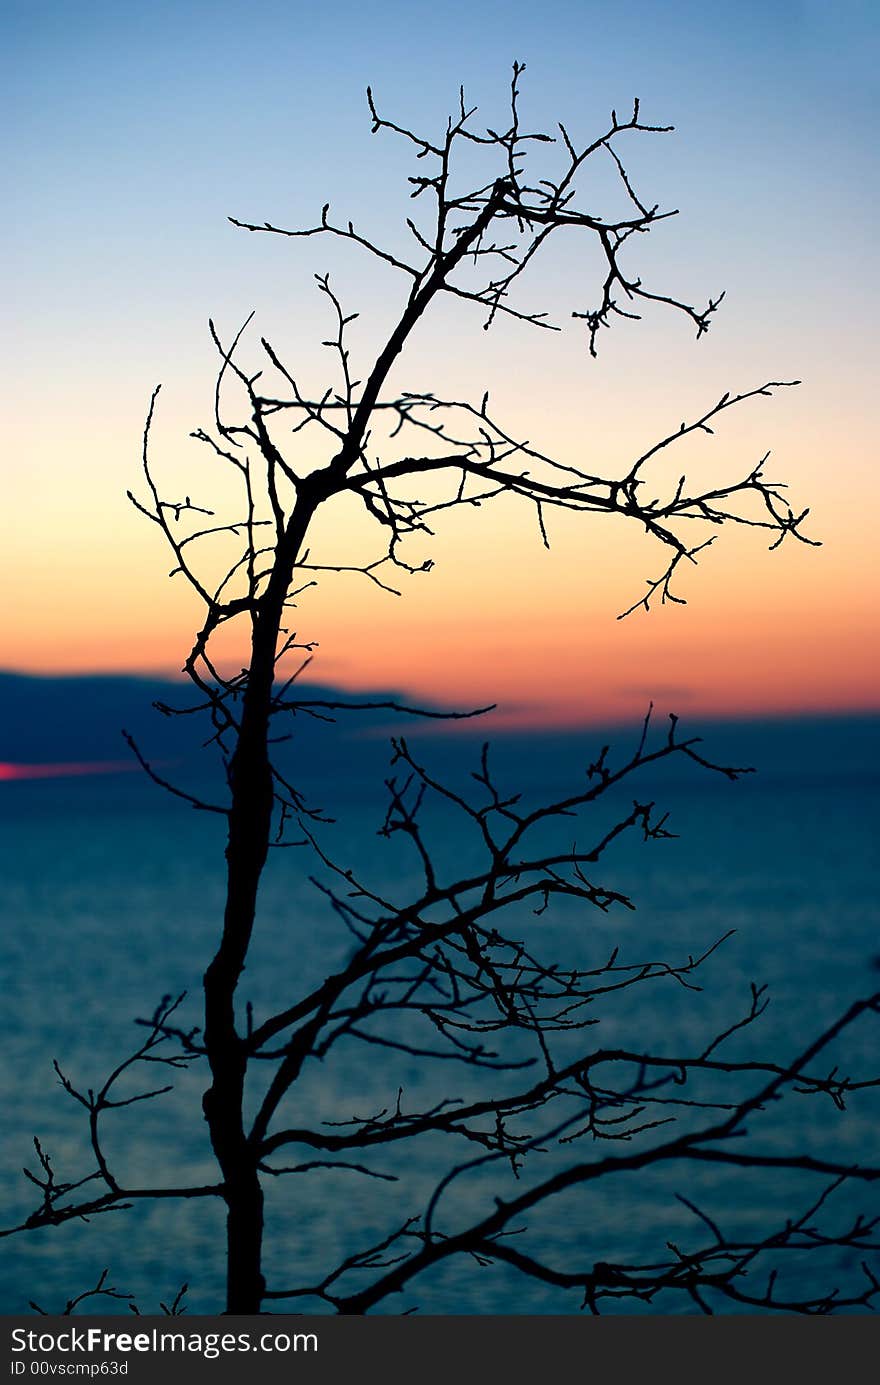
[(138, 128)]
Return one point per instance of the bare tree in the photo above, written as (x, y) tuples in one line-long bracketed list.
[(452, 974)]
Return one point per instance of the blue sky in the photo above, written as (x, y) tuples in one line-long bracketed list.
[(139, 127)]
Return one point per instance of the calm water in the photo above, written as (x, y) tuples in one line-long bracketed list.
[(111, 896)]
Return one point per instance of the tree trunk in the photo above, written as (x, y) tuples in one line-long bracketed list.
[(245, 1285), (250, 826)]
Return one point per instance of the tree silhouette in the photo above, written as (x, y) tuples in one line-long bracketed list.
[(450, 973)]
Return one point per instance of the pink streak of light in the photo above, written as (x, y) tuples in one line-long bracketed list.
[(10, 771)]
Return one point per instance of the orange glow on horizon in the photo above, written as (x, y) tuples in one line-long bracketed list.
[(500, 620)]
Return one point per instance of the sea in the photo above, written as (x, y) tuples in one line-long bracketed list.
[(111, 894)]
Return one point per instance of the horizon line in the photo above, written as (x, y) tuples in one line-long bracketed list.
[(510, 717)]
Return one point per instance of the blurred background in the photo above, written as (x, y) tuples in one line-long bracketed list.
[(136, 132)]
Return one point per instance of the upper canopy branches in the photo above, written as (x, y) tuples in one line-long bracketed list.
[(504, 220)]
